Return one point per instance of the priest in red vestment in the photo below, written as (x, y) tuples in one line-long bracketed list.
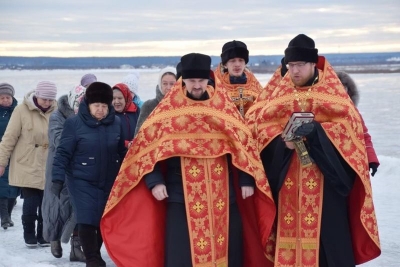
[(240, 83), (192, 190), (325, 210)]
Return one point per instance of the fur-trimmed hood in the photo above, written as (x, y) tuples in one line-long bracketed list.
[(64, 107), (351, 86)]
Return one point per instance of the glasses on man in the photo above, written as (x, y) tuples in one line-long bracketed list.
[(298, 65)]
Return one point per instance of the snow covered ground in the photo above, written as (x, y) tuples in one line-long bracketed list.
[(380, 95)]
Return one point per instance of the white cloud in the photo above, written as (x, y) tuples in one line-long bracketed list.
[(98, 28)]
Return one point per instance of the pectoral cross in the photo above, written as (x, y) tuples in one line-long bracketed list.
[(241, 101)]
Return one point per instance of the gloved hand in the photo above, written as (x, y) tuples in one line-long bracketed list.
[(373, 167), (306, 129), (56, 188)]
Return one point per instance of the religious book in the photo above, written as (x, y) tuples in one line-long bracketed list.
[(297, 119)]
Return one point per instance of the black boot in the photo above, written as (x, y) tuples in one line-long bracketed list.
[(39, 234), (102, 263), (88, 238), (56, 248), (28, 221), (5, 217), (76, 250), (11, 205)]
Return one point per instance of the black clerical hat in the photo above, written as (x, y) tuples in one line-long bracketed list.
[(301, 48), (195, 65)]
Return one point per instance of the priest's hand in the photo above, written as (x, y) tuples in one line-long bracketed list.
[(247, 191), (289, 145), (306, 130), (159, 191)]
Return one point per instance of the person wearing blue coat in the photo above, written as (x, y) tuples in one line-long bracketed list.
[(8, 193), (89, 155)]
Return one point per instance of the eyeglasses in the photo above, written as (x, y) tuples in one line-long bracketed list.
[(298, 65)]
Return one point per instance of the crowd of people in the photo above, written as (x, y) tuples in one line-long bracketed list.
[(204, 174)]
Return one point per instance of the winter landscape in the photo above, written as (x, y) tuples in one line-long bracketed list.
[(379, 105)]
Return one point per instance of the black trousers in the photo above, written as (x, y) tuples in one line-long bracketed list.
[(32, 205), (177, 244)]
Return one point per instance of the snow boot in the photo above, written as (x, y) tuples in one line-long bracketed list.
[(5, 217), (56, 248), (76, 250), (102, 263), (28, 222), (88, 238), (11, 205), (39, 234)]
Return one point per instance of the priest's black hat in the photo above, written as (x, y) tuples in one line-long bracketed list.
[(234, 49), (195, 65), (301, 48)]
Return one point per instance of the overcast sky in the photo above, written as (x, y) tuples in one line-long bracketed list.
[(160, 27)]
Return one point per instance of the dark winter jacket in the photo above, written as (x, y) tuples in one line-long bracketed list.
[(90, 153), (352, 90), (6, 190), (147, 108), (57, 213)]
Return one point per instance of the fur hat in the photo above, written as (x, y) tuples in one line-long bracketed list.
[(99, 92), (301, 48), (46, 90), (6, 89), (132, 81), (234, 49), (87, 79), (350, 85), (195, 65)]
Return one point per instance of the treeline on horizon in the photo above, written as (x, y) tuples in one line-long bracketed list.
[(387, 62)]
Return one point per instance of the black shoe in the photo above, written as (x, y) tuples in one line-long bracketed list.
[(56, 249), (76, 253), (43, 243), (102, 263), (5, 223), (30, 240)]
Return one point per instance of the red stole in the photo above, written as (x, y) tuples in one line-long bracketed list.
[(201, 133), (341, 121)]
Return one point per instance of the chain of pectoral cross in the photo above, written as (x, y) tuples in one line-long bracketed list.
[(241, 100)]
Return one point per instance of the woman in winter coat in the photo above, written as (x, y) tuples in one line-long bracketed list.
[(126, 110), (8, 193), (87, 159), (58, 219), (352, 90), (25, 144), (166, 79)]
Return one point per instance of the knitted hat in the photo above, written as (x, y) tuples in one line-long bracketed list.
[(301, 48), (234, 49), (46, 90), (6, 89), (132, 81), (87, 79), (75, 97), (195, 65), (99, 92)]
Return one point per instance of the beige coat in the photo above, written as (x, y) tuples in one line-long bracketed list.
[(25, 143)]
